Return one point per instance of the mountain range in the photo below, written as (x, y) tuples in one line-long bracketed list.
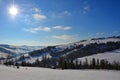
[(11, 50), (52, 54)]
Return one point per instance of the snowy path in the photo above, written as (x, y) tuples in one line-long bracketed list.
[(9, 73)]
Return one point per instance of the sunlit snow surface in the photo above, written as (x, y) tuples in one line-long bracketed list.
[(10, 73), (112, 56), (89, 41)]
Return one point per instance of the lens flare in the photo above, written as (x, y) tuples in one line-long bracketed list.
[(13, 10)]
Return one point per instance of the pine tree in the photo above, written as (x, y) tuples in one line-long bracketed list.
[(37, 62), (102, 64), (76, 64), (86, 64), (98, 64), (93, 63)]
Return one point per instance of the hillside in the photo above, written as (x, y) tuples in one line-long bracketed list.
[(16, 50), (112, 56), (72, 51)]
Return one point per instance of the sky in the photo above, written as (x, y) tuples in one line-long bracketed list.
[(54, 22)]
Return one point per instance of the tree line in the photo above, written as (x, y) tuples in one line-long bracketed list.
[(64, 63), (93, 64)]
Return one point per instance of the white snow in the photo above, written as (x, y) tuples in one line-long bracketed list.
[(110, 56), (99, 41), (3, 55), (59, 48), (10, 73), (33, 59), (86, 42), (20, 49)]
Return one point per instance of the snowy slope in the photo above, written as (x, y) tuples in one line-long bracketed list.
[(33, 59), (89, 41), (67, 49), (59, 48), (3, 55), (110, 56), (17, 50), (10, 73)]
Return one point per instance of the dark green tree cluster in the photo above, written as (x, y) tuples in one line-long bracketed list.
[(93, 64), (66, 64), (8, 61), (44, 62)]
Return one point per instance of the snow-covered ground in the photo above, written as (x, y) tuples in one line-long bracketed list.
[(10, 73), (110, 56)]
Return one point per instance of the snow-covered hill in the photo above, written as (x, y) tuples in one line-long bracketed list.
[(75, 50), (71, 51), (16, 50), (89, 41), (29, 73), (112, 56), (3, 55)]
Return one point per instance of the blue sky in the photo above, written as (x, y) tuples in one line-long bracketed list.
[(53, 22)]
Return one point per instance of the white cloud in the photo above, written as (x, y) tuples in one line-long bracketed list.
[(46, 29), (32, 30), (86, 7), (62, 27), (36, 29), (26, 19), (66, 13), (115, 32), (39, 28), (64, 37), (36, 9), (61, 14), (98, 34), (39, 16)]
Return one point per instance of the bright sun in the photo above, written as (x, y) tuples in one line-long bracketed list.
[(13, 11)]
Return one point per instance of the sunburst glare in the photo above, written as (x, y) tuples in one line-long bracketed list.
[(13, 10)]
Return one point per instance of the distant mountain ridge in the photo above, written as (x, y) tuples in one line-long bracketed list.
[(52, 54), (17, 50), (73, 50)]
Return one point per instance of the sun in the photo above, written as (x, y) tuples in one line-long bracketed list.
[(13, 11)]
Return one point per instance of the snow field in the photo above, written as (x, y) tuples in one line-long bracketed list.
[(25, 73)]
